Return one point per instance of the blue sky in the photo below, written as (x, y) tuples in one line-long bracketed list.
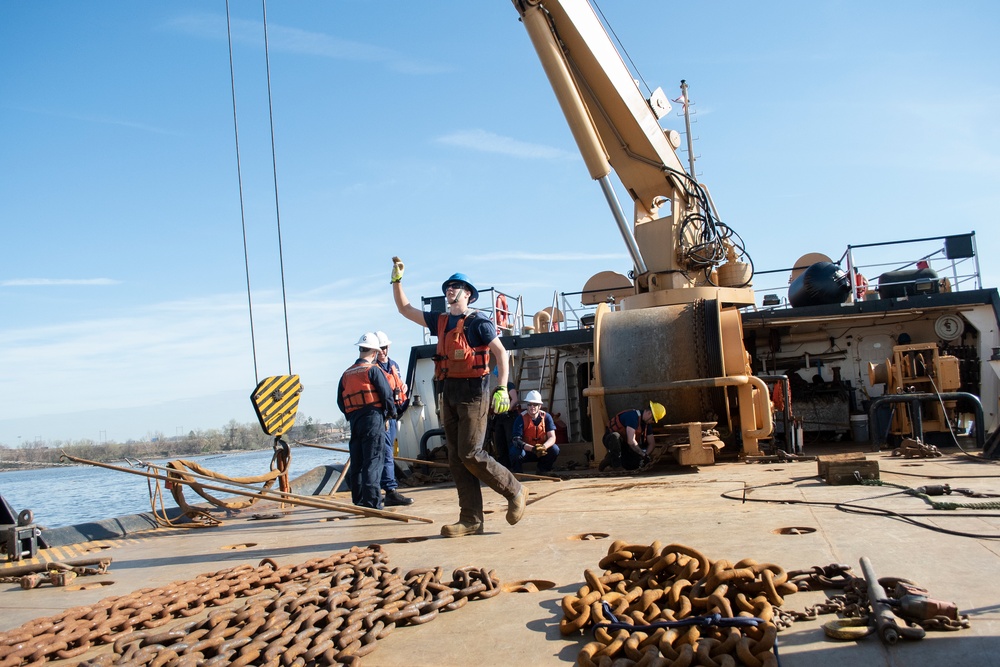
[(425, 130)]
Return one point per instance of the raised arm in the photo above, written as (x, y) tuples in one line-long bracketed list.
[(403, 305)]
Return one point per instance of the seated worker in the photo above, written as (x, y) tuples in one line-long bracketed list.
[(632, 427), (534, 437)]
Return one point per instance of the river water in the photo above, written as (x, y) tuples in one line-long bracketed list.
[(68, 495)]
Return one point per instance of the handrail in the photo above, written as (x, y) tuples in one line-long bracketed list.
[(949, 260), (917, 418)]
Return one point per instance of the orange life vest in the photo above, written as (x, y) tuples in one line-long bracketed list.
[(534, 434), (617, 426), (455, 358), (397, 384), (358, 390)]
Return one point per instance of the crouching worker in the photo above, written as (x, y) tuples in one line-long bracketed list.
[(534, 437), (629, 437)]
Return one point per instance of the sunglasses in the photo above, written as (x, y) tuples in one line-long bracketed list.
[(454, 286)]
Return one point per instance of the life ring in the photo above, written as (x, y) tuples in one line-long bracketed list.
[(860, 285), (502, 314)]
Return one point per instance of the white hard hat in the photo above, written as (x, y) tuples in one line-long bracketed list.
[(383, 340), (533, 397), (369, 341)]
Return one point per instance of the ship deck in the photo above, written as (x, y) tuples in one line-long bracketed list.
[(563, 534)]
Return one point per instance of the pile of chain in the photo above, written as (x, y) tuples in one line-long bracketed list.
[(647, 589), (328, 611)]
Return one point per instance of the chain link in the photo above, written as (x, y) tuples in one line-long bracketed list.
[(328, 610), (649, 589)]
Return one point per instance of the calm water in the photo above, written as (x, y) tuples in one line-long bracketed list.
[(68, 495)]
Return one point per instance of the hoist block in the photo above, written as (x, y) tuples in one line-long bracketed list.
[(276, 400)]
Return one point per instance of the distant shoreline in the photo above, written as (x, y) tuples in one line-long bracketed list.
[(14, 466)]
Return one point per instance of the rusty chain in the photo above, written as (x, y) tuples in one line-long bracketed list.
[(854, 603), (649, 590), (57, 574), (328, 610), (652, 586)]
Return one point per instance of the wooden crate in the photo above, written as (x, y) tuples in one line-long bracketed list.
[(823, 462)]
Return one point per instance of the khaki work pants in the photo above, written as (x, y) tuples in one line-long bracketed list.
[(464, 410)]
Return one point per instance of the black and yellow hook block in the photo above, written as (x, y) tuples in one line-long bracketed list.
[(276, 400)]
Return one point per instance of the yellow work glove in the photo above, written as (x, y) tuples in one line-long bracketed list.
[(397, 270), (539, 450), (501, 401)]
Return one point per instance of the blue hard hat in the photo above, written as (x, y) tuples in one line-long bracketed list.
[(464, 279)]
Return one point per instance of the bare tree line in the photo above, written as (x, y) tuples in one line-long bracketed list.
[(230, 438)]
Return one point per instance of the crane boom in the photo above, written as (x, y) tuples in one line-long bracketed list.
[(616, 127)]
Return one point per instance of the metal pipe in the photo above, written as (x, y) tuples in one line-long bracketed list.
[(917, 414), (700, 383), (623, 224), (428, 434), (885, 620), (435, 464), (697, 383)]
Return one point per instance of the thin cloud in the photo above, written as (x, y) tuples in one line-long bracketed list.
[(99, 120), (180, 349), (488, 142), (48, 282), (303, 42)]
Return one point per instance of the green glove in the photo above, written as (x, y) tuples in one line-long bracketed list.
[(397, 270), (501, 401)]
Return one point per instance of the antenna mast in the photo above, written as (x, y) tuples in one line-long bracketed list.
[(687, 126)]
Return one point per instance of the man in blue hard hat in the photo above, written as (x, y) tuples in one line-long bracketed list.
[(466, 339)]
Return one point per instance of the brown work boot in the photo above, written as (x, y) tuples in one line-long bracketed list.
[(515, 506), (462, 528)]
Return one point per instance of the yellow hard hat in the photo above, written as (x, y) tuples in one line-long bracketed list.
[(658, 410)]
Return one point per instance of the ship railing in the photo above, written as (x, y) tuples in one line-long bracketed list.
[(953, 262)]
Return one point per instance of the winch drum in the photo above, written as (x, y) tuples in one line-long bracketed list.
[(654, 346)]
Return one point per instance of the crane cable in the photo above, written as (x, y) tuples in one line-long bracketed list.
[(239, 173), (635, 68)]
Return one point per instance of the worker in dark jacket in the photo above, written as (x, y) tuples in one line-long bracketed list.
[(629, 437), (365, 398), (400, 396), (501, 427)]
